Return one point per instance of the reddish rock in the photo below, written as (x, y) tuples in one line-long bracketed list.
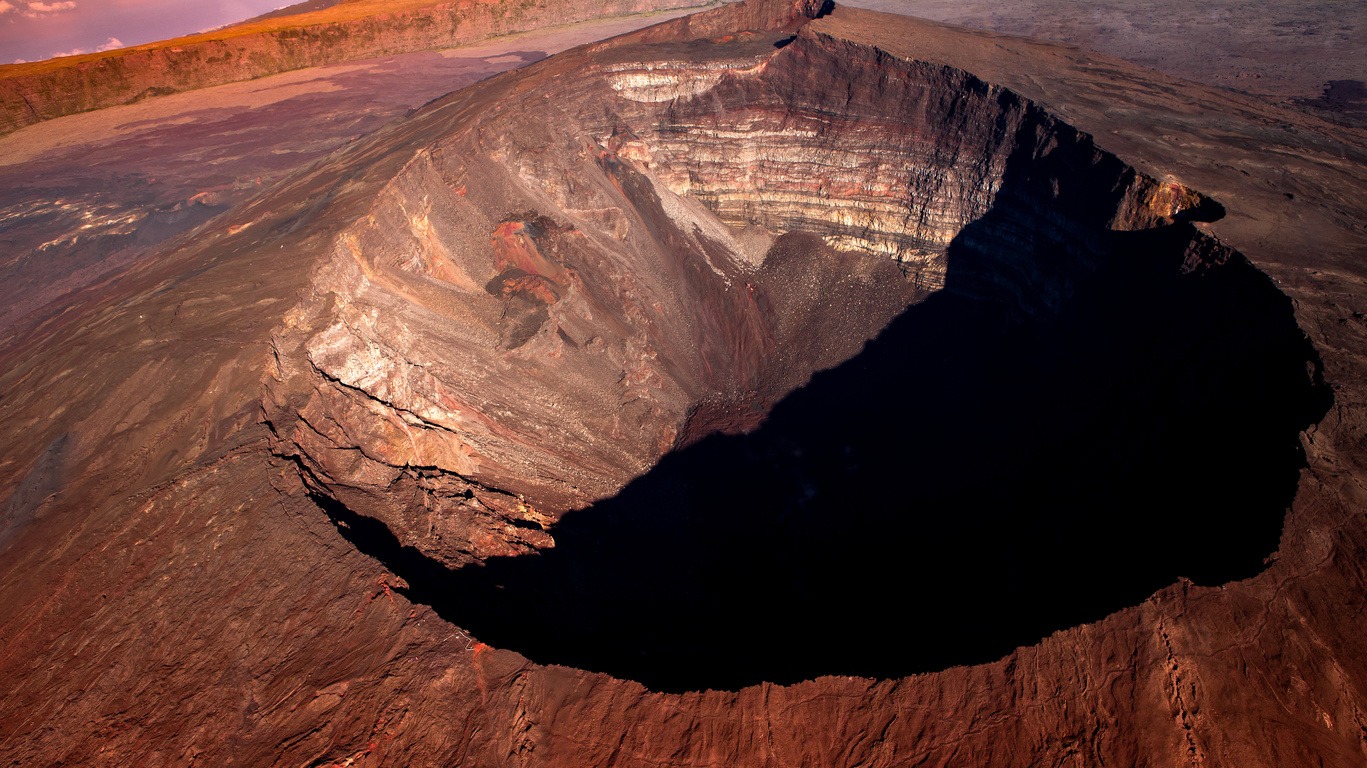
[(174, 593)]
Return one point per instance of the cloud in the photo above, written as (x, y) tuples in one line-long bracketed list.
[(113, 43), (37, 7), (5, 7)]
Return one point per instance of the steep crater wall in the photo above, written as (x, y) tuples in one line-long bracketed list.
[(1074, 396)]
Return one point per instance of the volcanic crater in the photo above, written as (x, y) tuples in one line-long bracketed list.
[(703, 361)]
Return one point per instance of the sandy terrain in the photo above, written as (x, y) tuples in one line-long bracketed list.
[(82, 195), (1289, 50)]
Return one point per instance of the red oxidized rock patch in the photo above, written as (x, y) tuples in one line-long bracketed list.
[(520, 244)]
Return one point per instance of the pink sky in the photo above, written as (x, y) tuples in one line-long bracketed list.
[(40, 29)]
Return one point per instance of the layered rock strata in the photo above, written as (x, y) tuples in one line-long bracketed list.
[(618, 259)]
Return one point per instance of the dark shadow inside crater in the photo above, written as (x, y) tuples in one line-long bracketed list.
[(1081, 418), (968, 484)]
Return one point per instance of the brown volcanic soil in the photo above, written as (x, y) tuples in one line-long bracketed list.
[(361, 29), (87, 194), (1299, 52), (172, 595)]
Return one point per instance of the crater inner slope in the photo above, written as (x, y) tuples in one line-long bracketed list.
[(659, 239)]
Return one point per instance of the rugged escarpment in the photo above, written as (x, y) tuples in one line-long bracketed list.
[(33, 92), (660, 240)]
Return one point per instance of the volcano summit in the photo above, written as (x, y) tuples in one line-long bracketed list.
[(628, 408)]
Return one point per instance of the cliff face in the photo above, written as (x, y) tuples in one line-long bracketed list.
[(30, 93), (626, 259), (317, 477)]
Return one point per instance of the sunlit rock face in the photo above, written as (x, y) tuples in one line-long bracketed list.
[(650, 243), (896, 160)]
